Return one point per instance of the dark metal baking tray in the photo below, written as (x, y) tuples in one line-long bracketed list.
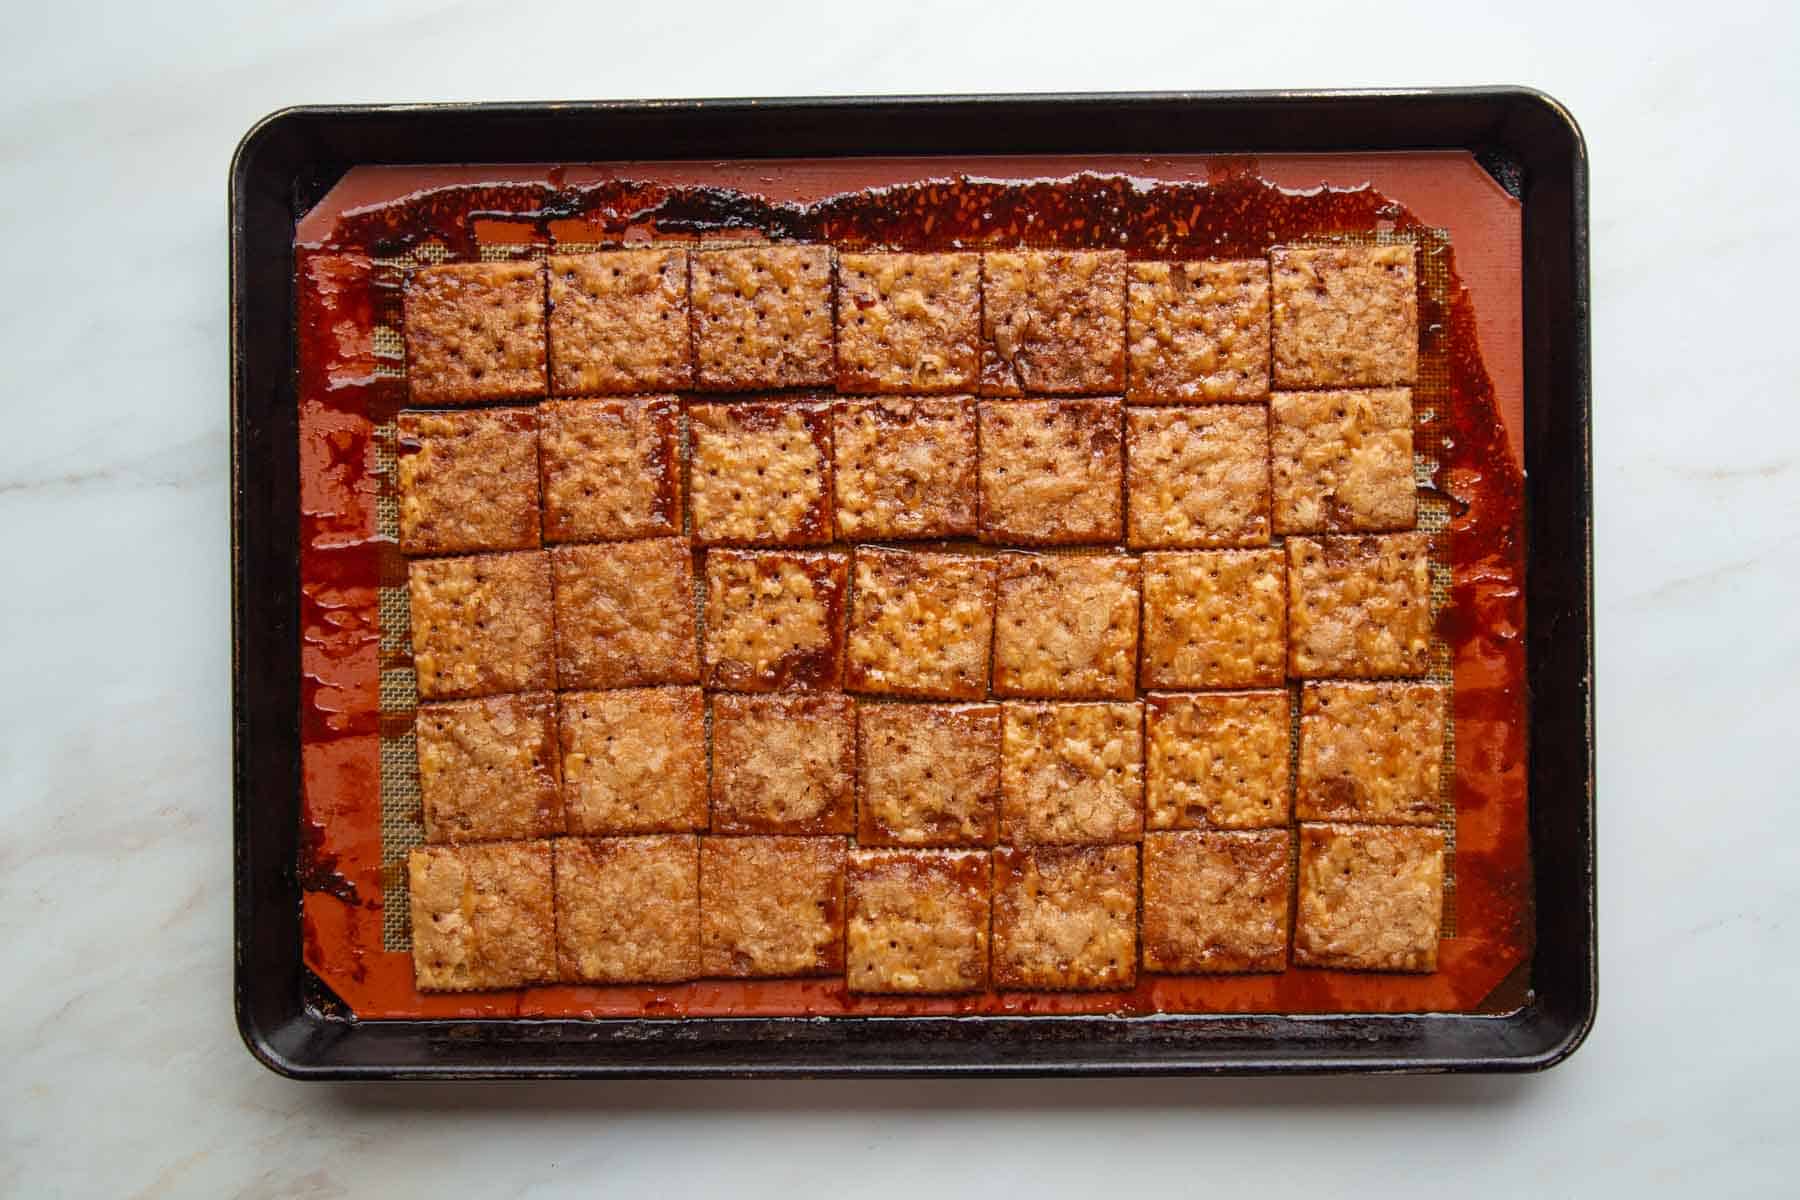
[(288, 161)]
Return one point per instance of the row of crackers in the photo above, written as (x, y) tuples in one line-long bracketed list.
[(809, 472), (920, 624), (1000, 323), (675, 907), (672, 760)]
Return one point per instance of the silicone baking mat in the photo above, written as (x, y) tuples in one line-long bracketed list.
[(1473, 964)]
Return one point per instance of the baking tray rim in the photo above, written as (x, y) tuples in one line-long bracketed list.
[(288, 159)]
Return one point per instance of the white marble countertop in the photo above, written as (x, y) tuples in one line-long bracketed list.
[(123, 1074)]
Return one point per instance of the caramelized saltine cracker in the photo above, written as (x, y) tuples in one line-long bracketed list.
[(1359, 605), (1072, 774), (918, 921), (1065, 917), (920, 624), (625, 614), (1217, 760), (762, 317), (481, 625), (474, 332), (908, 322), (1066, 626), (783, 764), (1213, 619), (634, 760), (1198, 332), (771, 906), (611, 468), (1370, 897), (1215, 901), (628, 909), (1343, 460), (761, 473), (1052, 321), (1371, 752), (905, 468), (468, 480), (483, 916), (619, 322), (1345, 316), (927, 774), (1197, 477), (1050, 471), (775, 620), (488, 768)]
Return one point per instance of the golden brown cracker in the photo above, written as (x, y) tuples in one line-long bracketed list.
[(1050, 471), (481, 625), (1065, 917), (468, 480), (771, 906), (1213, 619), (908, 322), (483, 916), (625, 614), (628, 909), (1371, 897), (634, 760), (1345, 316), (921, 624), (917, 921), (1198, 332), (619, 322), (475, 332)]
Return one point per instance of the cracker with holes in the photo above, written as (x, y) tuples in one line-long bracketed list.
[(1342, 460), (1213, 619), (482, 916), (762, 317), (927, 774), (488, 768), (1050, 471), (771, 906), (1359, 606), (761, 473), (1072, 774), (783, 764), (1197, 477), (628, 909), (1370, 897), (1216, 760), (1215, 901), (611, 468), (904, 468), (468, 480), (475, 332), (1065, 918), (1198, 332), (619, 322), (1371, 752), (633, 760), (921, 624), (625, 614), (917, 921), (1053, 321), (1066, 626), (1345, 316), (481, 625), (908, 322), (774, 620)]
